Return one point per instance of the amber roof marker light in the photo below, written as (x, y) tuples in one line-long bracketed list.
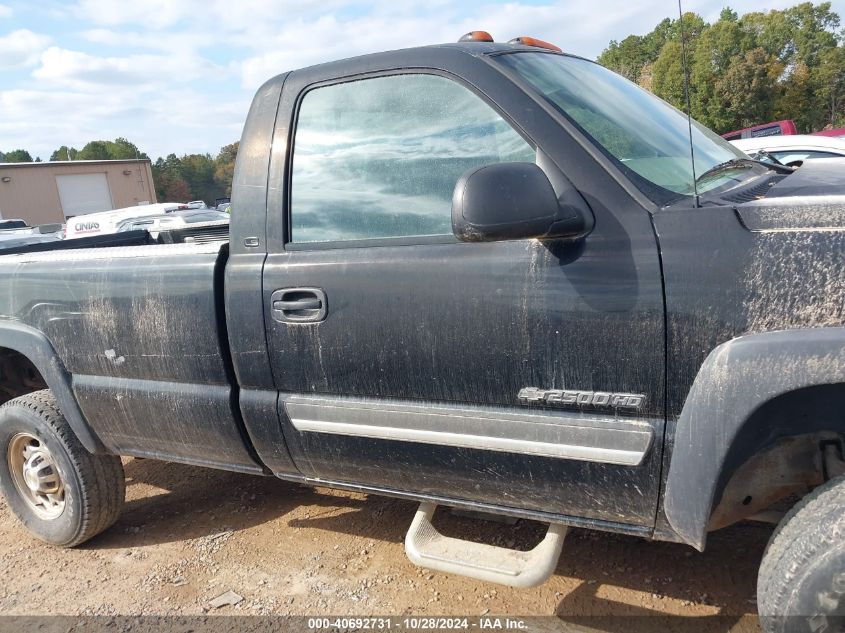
[(476, 36), (525, 40)]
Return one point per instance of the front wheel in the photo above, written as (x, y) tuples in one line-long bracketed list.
[(61, 493), (801, 584)]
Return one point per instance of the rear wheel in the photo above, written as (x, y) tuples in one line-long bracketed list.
[(62, 493), (801, 584)]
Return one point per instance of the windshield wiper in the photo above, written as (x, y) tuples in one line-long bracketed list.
[(772, 159), (737, 163)]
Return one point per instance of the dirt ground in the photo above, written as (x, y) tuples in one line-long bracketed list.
[(188, 535)]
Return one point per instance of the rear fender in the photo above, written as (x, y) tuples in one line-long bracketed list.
[(37, 348)]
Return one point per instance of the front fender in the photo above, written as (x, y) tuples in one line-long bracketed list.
[(37, 348), (735, 380)]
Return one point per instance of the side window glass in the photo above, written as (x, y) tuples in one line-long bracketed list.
[(380, 157)]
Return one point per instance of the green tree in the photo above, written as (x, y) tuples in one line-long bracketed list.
[(17, 156), (667, 79), (626, 57), (94, 150), (176, 190), (634, 53), (797, 99), (746, 90), (224, 167), (118, 149), (744, 70), (170, 186), (65, 153), (771, 32), (167, 176), (198, 172), (829, 82), (728, 15), (693, 26), (122, 148), (195, 176), (715, 49), (812, 30)]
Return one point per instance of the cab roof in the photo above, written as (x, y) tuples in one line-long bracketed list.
[(421, 56)]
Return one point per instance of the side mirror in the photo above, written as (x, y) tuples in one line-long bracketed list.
[(513, 201)]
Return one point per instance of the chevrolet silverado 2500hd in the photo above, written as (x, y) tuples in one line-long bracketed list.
[(479, 275)]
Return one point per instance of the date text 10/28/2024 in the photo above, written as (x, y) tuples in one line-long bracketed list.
[(483, 623)]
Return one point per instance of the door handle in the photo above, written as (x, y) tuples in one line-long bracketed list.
[(308, 303), (299, 305)]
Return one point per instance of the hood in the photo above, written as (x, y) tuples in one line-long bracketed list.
[(817, 177), (810, 199)]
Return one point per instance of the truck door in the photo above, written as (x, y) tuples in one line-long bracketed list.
[(407, 361)]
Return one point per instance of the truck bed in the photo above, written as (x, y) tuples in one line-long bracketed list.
[(140, 329)]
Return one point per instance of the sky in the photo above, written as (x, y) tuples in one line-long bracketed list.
[(177, 76)]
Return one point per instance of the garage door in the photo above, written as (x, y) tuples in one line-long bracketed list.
[(84, 193)]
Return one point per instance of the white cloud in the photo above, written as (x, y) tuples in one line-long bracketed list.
[(271, 36), (153, 13), (211, 15), (141, 72), (21, 48), (309, 41), (6, 12), (54, 118), (41, 121), (302, 43), (150, 39)]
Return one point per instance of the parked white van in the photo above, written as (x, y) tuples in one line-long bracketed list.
[(105, 222)]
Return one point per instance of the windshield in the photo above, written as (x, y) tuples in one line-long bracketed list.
[(650, 138)]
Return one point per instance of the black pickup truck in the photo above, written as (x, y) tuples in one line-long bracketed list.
[(476, 275)]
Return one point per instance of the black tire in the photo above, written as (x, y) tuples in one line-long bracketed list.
[(801, 583), (94, 485)]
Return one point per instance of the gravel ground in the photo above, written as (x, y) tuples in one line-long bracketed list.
[(188, 535)]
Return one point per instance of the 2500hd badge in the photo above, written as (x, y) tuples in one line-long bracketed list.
[(565, 397)]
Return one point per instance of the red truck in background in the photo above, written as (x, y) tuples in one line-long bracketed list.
[(778, 128)]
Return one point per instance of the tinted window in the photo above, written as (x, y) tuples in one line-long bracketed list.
[(380, 157)]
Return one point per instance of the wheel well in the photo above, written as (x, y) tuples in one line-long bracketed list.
[(18, 375), (779, 452)]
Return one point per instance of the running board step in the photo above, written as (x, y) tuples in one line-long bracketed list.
[(427, 547)]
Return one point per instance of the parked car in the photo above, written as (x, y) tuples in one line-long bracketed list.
[(775, 128), (793, 150), (12, 224), (836, 133), (477, 275), (177, 219), (27, 235), (105, 222), (778, 128)]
